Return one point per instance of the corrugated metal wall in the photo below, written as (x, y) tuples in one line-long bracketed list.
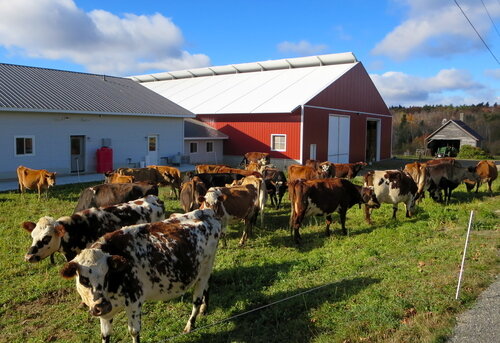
[(354, 91), (252, 132)]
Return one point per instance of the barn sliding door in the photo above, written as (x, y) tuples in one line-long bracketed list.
[(338, 138)]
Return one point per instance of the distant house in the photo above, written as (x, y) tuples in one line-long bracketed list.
[(452, 134), (322, 107), (57, 120), (202, 143)]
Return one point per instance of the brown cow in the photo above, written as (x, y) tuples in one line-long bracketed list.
[(38, 179), (112, 177), (487, 172), (191, 191), (448, 176), (239, 171), (420, 174), (323, 197), (144, 174), (234, 204), (172, 176), (348, 170), (297, 171), (209, 168)]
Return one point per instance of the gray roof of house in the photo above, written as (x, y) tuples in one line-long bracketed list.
[(195, 129), (466, 128), (34, 89)]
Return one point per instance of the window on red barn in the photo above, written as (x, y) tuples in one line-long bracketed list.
[(278, 142)]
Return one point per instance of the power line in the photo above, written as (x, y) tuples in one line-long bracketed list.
[(482, 40), (488, 12)]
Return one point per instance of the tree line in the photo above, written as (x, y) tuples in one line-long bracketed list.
[(411, 125)]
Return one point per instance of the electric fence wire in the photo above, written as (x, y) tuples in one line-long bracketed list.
[(481, 38)]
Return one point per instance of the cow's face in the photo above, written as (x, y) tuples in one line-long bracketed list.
[(213, 200), (51, 179), (412, 204), (369, 197), (92, 268), (46, 236)]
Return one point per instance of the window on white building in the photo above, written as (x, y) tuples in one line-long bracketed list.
[(278, 142), (193, 147), (210, 146), (25, 145)]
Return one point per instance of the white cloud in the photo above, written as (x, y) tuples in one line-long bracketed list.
[(448, 86), (493, 73), (302, 48), (438, 28), (100, 41)]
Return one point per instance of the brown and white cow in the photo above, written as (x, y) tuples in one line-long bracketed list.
[(262, 158), (487, 172), (112, 177), (325, 168), (139, 263), (348, 170), (172, 177), (393, 187), (260, 186), (191, 191), (234, 204), (113, 193), (70, 235), (39, 179), (323, 197), (297, 171)]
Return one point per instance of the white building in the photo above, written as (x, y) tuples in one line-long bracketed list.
[(57, 120)]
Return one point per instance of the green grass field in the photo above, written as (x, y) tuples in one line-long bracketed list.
[(393, 281)]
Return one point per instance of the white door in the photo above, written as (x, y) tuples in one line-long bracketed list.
[(338, 138), (152, 155)]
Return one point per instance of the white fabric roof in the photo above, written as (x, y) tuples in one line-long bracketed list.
[(249, 88)]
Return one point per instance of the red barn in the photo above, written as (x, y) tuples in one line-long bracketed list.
[(319, 107)]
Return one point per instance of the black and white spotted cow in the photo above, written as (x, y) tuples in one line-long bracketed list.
[(70, 235), (158, 261)]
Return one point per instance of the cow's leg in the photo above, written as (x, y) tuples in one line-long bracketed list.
[(329, 220), (106, 329), (342, 213), (134, 321), (394, 210), (367, 215), (200, 299), (489, 187)]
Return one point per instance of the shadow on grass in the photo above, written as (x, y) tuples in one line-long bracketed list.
[(288, 317)]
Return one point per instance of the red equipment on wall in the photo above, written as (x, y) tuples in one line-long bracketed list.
[(104, 160)]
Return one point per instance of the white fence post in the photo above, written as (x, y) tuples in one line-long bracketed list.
[(465, 252)]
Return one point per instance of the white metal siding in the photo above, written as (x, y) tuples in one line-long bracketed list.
[(52, 138)]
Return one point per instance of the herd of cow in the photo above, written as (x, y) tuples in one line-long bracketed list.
[(123, 251)]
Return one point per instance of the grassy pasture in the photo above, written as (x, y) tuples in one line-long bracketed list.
[(393, 281)]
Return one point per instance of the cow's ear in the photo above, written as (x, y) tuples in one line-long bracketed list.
[(222, 198), (117, 263), (68, 271), (29, 226), (60, 230)]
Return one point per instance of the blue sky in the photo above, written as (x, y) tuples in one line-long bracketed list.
[(416, 51)]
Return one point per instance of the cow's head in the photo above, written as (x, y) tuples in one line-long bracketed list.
[(369, 198), (46, 234), (50, 178), (327, 169), (94, 270), (469, 184), (471, 174), (213, 199)]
